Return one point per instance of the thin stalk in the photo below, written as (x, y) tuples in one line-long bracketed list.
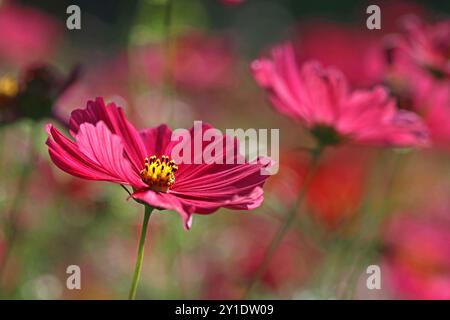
[(373, 225), (283, 229), (22, 186), (126, 189), (140, 256)]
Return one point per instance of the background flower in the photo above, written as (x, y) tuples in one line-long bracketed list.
[(321, 100), (25, 30)]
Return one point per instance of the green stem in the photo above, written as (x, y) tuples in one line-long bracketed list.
[(283, 229), (140, 257), (22, 187), (372, 225)]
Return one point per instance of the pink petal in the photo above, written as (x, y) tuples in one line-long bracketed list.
[(117, 123), (156, 140), (96, 155)]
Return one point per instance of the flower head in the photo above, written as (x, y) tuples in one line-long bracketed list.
[(321, 100), (419, 73), (108, 147), (33, 94), (427, 46)]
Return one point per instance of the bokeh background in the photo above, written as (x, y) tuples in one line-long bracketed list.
[(178, 61)]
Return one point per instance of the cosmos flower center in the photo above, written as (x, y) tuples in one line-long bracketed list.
[(8, 86), (158, 173)]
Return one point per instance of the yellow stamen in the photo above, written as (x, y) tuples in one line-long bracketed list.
[(8, 86), (159, 174)]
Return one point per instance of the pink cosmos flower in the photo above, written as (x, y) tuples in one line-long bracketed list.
[(427, 46), (321, 100), (420, 73), (107, 147)]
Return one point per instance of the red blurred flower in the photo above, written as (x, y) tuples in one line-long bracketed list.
[(337, 187), (321, 100), (26, 34), (418, 256), (335, 190), (71, 187), (107, 147)]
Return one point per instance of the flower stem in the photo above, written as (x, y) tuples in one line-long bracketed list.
[(283, 229), (12, 222), (140, 257)]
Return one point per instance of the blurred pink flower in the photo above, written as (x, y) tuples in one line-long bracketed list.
[(420, 73), (437, 116), (357, 52), (354, 51), (26, 34), (418, 256), (321, 100), (198, 62), (427, 46), (109, 78), (107, 147), (202, 62), (68, 186), (393, 11)]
